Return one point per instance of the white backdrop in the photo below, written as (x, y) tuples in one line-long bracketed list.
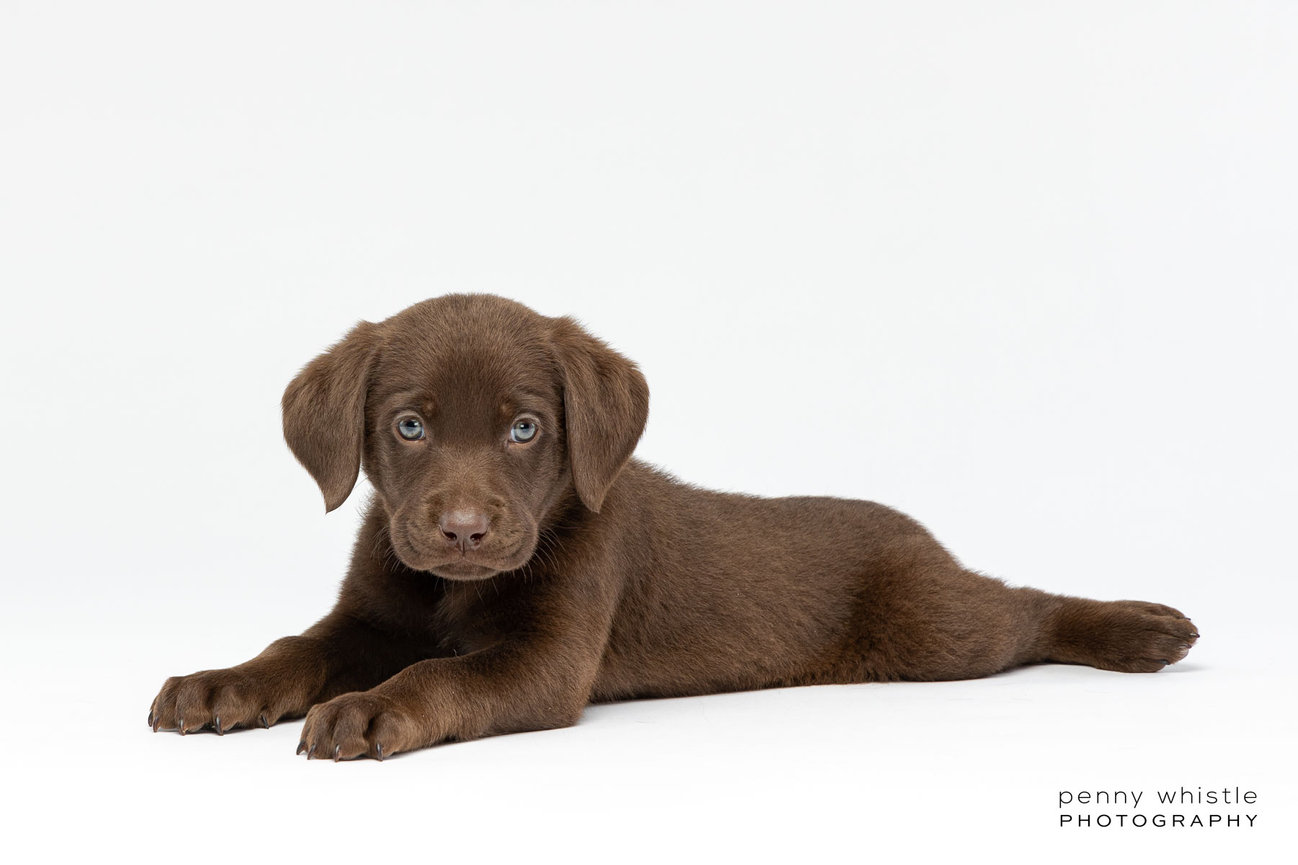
[(1024, 270)]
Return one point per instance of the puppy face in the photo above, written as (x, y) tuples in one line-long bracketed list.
[(476, 419), (465, 441)]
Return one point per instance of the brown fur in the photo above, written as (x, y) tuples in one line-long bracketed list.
[(499, 585)]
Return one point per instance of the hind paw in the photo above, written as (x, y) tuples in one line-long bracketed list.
[(1126, 636)]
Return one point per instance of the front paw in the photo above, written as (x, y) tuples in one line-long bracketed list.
[(360, 724), (219, 700)]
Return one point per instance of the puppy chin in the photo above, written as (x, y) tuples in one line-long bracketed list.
[(462, 570)]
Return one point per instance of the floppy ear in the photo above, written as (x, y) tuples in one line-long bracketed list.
[(324, 413), (605, 406)]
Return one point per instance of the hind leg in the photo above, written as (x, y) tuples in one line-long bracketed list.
[(1025, 626), (1127, 636), (941, 622)]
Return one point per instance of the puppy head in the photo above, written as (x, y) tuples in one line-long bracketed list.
[(475, 419)]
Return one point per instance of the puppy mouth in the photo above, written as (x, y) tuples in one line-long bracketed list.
[(455, 565)]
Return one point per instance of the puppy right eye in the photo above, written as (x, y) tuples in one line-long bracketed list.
[(410, 428)]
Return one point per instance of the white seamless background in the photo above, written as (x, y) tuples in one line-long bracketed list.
[(1023, 270)]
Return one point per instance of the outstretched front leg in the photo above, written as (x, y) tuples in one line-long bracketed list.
[(348, 650), (339, 653), (537, 675)]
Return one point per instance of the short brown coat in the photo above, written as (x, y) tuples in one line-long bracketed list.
[(500, 585)]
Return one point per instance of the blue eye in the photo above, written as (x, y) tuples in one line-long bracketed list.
[(523, 431), (410, 428)]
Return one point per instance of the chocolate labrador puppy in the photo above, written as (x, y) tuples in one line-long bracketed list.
[(516, 564)]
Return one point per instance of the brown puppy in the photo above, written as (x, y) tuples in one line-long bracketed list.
[(515, 563)]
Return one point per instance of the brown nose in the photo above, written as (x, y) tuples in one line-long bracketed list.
[(463, 528)]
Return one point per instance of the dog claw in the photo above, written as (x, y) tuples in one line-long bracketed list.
[(379, 748), (337, 750), (219, 731), (301, 746), (310, 752), (182, 726), (264, 722), (150, 717)]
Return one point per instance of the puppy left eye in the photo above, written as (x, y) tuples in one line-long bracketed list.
[(410, 429), (523, 431)]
